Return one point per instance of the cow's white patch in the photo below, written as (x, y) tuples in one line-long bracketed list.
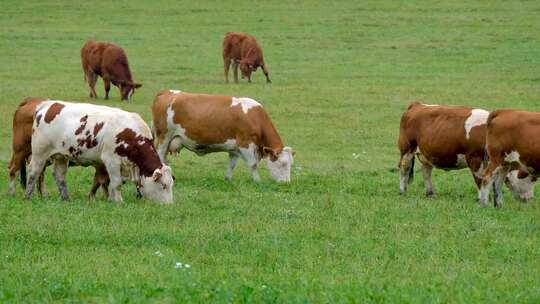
[(478, 117), (281, 168), (512, 157), (480, 172), (175, 91), (461, 161), (245, 102)]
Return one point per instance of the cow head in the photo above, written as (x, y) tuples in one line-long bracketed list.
[(127, 88), (521, 184), (158, 187), (279, 163), (247, 67)]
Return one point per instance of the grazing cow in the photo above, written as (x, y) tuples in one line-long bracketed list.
[(511, 143), (22, 150), (244, 50), (110, 62), (449, 138), (86, 134), (212, 123)]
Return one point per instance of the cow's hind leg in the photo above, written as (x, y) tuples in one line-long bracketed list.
[(16, 165), (266, 73), (41, 183), (406, 171), (233, 159), (476, 165), (487, 181), (113, 169), (36, 168), (498, 181), (226, 66), (235, 71), (60, 170), (426, 174), (91, 77)]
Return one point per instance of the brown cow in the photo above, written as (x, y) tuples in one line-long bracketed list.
[(110, 62), (512, 143), (446, 137), (244, 50), (22, 149), (212, 123)]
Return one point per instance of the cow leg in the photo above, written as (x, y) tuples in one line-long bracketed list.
[(426, 174), (487, 181), (16, 164), (60, 169), (41, 184), (107, 85), (266, 73), (477, 169), (249, 154), (406, 171), (115, 178), (93, 190), (498, 181), (36, 168), (226, 66), (235, 71), (233, 158), (92, 79)]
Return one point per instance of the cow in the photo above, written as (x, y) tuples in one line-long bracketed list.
[(448, 138), (110, 62), (244, 50), (22, 150), (212, 123), (86, 134), (511, 143)]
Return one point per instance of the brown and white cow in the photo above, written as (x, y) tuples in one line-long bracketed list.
[(22, 148), (211, 123), (87, 134), (244, 50), (110, 62), (449, 138), (513, 142)]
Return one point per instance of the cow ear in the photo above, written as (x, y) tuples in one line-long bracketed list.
[(157, 175), (137, 85)]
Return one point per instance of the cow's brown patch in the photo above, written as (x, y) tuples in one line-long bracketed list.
[(139, 150), (87, 141), (53, 111), (98, 128), (75, 152), (81, 128)]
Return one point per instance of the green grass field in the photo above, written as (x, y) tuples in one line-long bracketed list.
[(342, 72)]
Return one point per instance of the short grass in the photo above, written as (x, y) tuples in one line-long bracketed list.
[(342, 74)]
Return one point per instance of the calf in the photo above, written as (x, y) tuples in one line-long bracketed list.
[(244, 50), (447, 137), (512, 143), (212, 123), (22, 149), (86, 134), (110, 62)]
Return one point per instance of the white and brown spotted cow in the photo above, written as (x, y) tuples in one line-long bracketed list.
[(211, 123), (87, 134), (449, 138), (512, 142)]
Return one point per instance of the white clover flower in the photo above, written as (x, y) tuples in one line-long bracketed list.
[(158, 253), (178, 265)]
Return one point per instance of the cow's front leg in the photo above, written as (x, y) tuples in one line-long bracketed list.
[(35, 169), (249, 154), (60, 169), (115, 177), (226, 66), (91, 77), (233, 159), (41, 184), (498, 181), (235, 71), (107, 85)]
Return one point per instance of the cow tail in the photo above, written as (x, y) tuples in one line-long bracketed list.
[(23, 174)]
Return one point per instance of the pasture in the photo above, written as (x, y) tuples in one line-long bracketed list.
[(342, 73)]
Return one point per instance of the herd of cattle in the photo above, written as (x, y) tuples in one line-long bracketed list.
[(497, 147), (121, 146)]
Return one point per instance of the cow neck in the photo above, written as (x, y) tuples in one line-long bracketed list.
[(271, 137), (139, 150)]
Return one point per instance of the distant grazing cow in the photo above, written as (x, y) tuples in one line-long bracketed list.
[(86, 134), (448, 137), (110, 62), (211, 123), (512, 142), (243, 49)]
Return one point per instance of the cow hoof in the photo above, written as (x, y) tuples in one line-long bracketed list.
[(430, 194)]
